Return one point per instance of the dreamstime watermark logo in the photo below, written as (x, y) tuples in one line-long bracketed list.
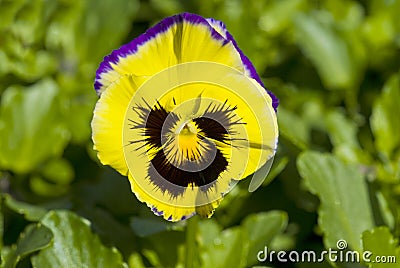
[(340, 254)]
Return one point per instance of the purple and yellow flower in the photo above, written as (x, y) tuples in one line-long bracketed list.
[(183, 113)]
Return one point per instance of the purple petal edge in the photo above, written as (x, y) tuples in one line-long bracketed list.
[(157, 212), (246, 61), (250, 67), (160, 213), (161, 27)]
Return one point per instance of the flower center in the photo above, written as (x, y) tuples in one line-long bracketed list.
[(188, 141), (186, 151)]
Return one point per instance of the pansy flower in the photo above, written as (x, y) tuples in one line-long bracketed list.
[(183, 113)]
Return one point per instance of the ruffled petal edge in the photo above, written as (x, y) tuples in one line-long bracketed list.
[(132, 47)]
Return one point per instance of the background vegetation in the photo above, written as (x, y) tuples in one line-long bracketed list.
[(334, 64)]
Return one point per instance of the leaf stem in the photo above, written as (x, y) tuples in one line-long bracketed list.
[(191, 247)]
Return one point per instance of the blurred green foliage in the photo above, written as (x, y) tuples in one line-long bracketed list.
[(334, 64)]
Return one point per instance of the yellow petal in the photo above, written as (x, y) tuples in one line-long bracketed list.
[(108, 118)]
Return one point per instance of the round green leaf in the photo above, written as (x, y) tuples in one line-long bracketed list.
[(74, 244)]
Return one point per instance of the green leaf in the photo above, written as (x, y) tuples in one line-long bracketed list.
[(238, 246), (208, 232), (6, 254), (42, 187), (34, 238), (385, 123), (74, 244), (8, 10), (347, 14), (58, 171), (341, 130), (109, 229), (78, 114), (158, 243), (152, 257), (167, 7), (226, 250), (278, 166), (31, 65), (385, 210), (26, 26), (1, 222), (30, 127), (326, 49), (106, 25), (345, 210), (278, 15), (261, 229), (135, 261), (381, 243), (379, 30), (293, 128), (231, 210), (144, 227), (88, 30), (30, 212), (354, 155)]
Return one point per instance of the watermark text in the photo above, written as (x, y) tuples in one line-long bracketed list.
[(340, 254)]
